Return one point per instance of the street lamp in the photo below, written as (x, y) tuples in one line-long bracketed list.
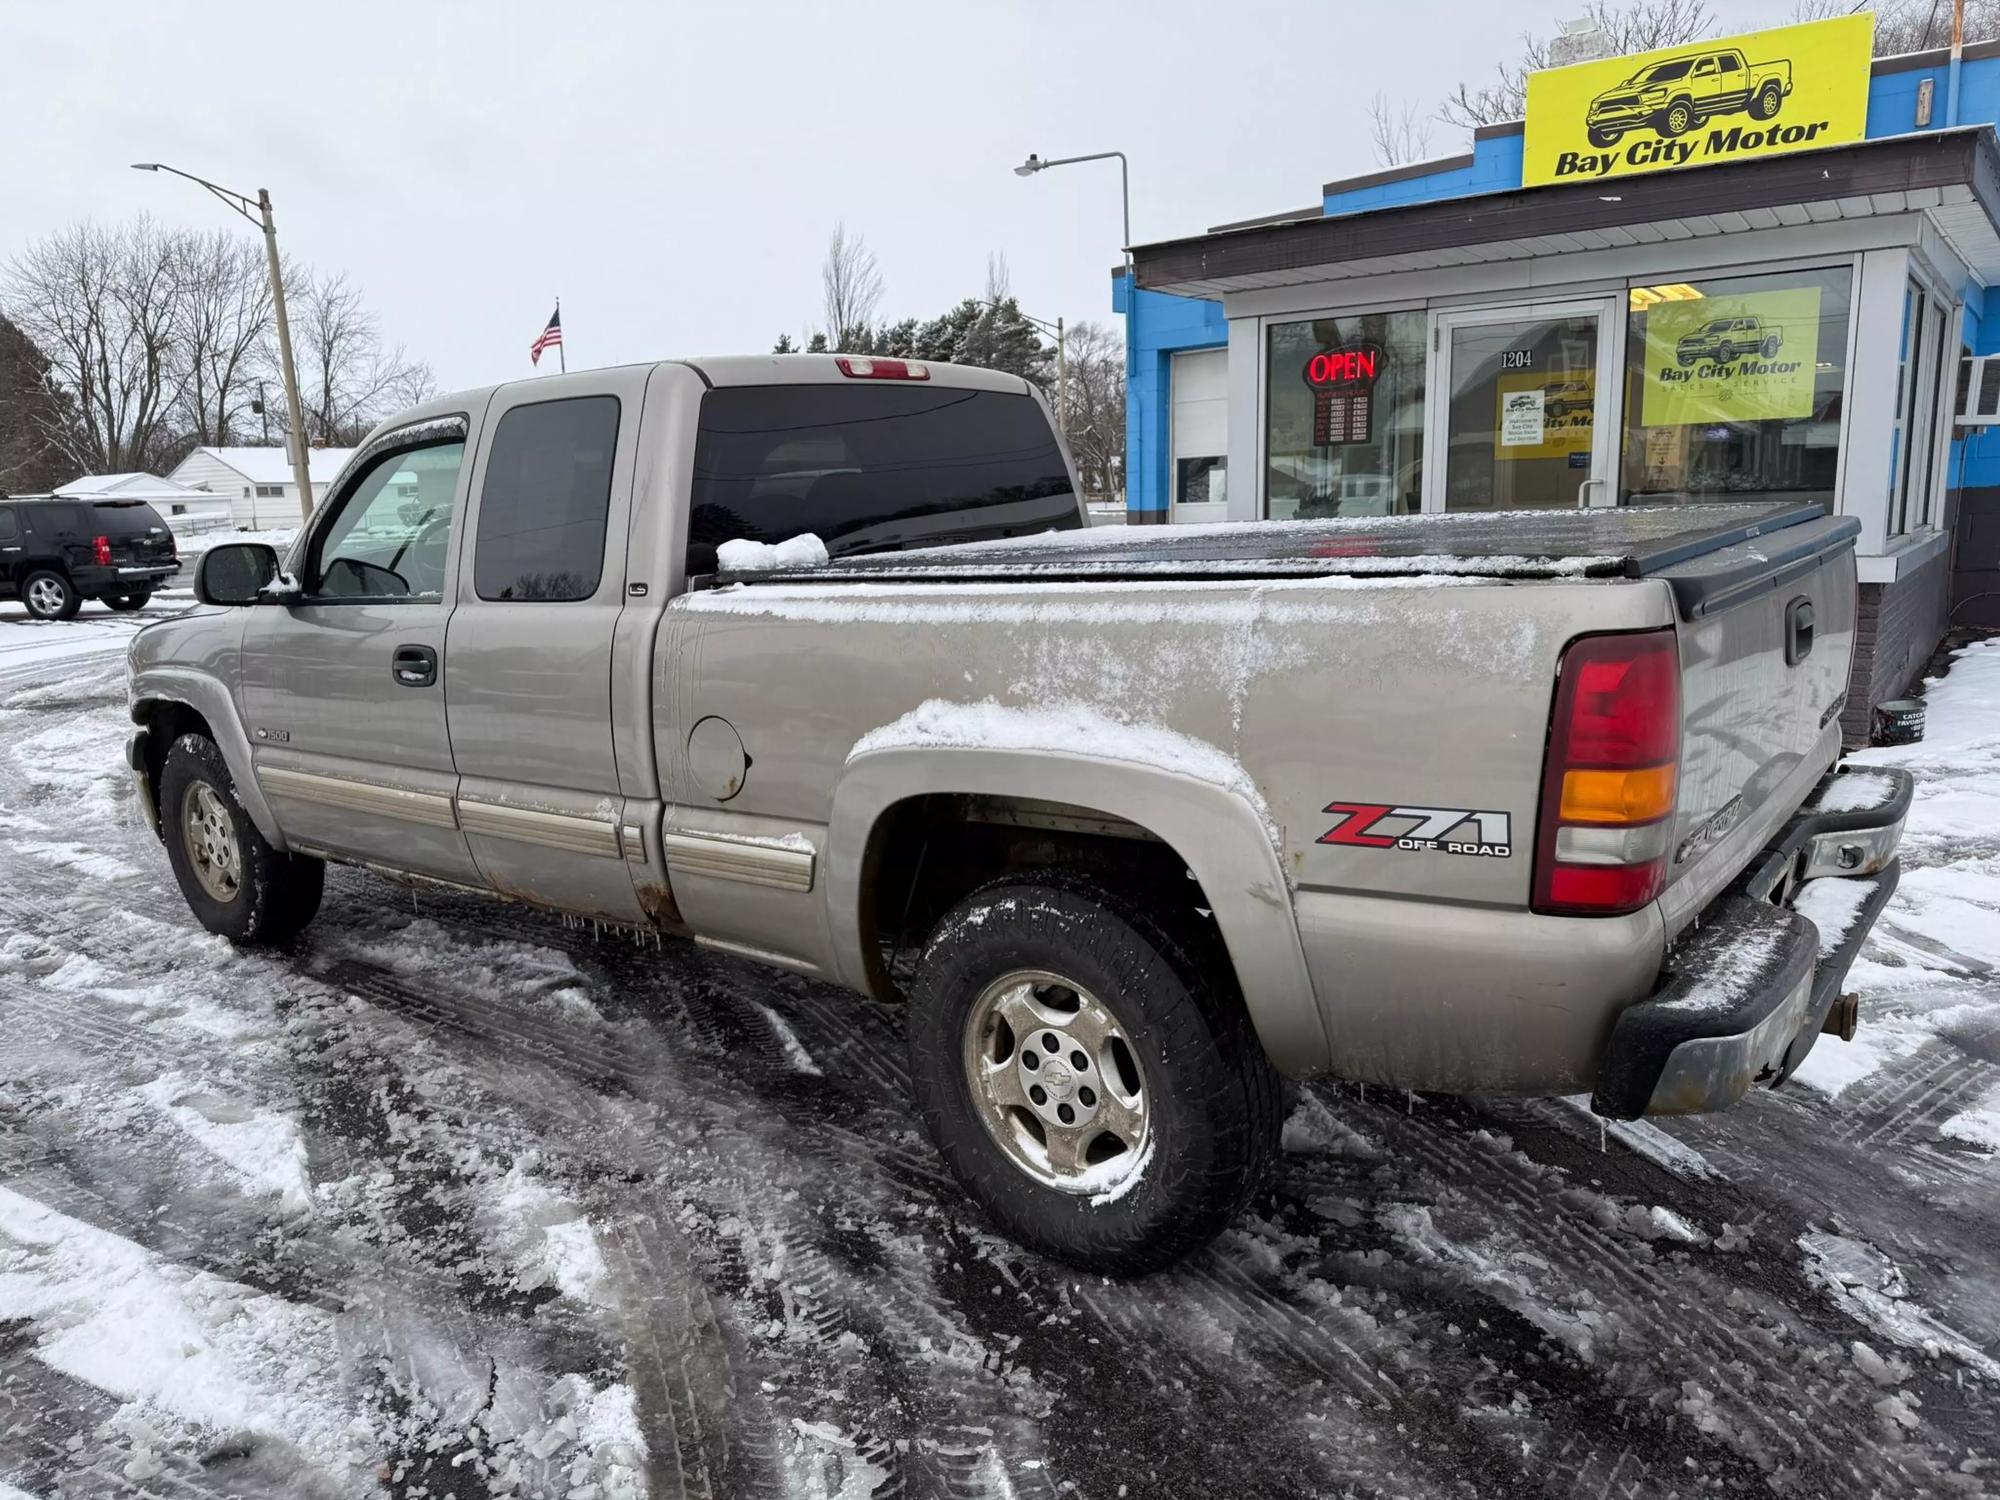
[(1062, 358), (301, 471), (1036, 164)]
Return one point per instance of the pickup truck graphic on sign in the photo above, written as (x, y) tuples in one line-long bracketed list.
[(1726, 338), (1678, 93)]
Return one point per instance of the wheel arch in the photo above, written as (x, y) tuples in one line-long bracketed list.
[(168, 704), (1218, 834)]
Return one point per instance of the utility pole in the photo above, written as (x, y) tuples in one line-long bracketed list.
[(301, 470)]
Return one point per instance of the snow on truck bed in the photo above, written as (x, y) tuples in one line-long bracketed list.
[(1612, 542)]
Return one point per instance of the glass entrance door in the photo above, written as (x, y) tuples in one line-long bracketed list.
[(1527, 415)]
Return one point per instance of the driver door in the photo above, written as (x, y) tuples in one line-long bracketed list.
[(343, 690)]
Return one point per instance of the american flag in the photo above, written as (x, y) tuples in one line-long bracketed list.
[(549, 337)]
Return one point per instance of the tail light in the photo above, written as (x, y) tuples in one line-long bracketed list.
[(858, 368), (102, 546), (1608, 782)]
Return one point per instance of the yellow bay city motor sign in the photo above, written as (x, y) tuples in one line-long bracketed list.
[(1791, 89)]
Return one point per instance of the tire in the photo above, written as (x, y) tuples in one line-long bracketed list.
[(50, 595), (1602, 136), (1678, 118), (1685, 360), (1771, 347), (235, 883), (127, 603), (1765, 105), (1206, 1095)]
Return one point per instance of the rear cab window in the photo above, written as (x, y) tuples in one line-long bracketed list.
[(873, 467), (10, 528)]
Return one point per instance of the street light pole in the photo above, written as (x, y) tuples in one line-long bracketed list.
[(1062, 361), (1036, 164), (301, 469)]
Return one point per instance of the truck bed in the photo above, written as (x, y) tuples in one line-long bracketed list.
[(1611, 542)]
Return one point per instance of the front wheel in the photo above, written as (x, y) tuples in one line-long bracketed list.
[(1679, 118), (236, 884), (1603, 135), (1089, 1074)]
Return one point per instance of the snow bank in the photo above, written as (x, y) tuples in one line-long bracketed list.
[(184, 1344), (742, 556)]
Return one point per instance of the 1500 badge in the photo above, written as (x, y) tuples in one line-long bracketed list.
[(1444, 830)]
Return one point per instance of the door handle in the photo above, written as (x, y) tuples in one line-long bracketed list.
[(416, 666), (1583, 493)]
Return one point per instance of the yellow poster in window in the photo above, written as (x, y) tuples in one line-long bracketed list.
[(1740, 98), (1543, 415), (1746, 358)]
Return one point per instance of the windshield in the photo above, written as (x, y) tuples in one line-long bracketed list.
[(1666, 72)]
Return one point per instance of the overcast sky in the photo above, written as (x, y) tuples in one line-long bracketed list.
[(674, 171)]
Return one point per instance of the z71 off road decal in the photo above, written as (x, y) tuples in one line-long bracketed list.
[(1443, 830)]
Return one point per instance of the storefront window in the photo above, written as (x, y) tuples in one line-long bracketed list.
[(1735, 387), (1918, 368), (1344, 409)]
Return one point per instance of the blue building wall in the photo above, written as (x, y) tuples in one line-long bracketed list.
[(1162, 325)]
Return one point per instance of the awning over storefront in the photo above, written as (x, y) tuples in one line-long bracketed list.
[(1953, 175)]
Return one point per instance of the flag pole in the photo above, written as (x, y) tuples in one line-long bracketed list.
[(560, 354)]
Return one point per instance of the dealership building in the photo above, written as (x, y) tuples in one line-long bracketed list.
[(1778, 292)]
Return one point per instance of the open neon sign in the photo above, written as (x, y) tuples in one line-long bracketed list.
[(1342, 381)]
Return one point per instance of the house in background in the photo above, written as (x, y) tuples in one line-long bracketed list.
[(258, 481), (187, 512)]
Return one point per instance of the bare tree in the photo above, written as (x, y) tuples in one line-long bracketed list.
[(851, 286), (1911, 25), (348, 378), (223, 323), (1398, 135), (101, 304), (1638, 26), (999, 277), (1096, 359)]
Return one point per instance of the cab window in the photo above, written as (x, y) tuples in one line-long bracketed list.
[(390, 540), (545, 503)]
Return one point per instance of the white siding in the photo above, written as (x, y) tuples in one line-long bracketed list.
[(200, 471)]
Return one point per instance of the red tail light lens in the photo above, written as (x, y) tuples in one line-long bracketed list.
[(858, 367), (102, 546), (1608, 782)]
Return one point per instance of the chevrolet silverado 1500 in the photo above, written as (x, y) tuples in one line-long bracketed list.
[(1134, 822)]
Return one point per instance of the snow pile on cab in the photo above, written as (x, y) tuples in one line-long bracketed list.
[(744, 556)]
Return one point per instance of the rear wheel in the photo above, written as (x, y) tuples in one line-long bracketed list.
[(1765, 105), (236, 884), (127, 603), (50, 596), (1089, 1075)]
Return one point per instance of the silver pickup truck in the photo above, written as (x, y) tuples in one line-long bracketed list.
[(1134, 822)]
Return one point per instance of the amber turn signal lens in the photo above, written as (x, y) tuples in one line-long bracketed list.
[(1618, 796)]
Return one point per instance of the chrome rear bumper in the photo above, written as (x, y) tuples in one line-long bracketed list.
[(1750, 985)]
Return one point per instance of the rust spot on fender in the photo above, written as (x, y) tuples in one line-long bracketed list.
[(657, 902)]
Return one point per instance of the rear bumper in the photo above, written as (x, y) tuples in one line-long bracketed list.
[(1749, 988)]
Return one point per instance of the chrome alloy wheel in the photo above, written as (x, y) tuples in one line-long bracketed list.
[(46, 597), (210, 838), (1057, 1083)]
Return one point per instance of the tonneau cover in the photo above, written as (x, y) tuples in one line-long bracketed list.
[(1611, 542)]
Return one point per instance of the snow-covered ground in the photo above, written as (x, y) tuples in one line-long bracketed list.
[(456, 1200)]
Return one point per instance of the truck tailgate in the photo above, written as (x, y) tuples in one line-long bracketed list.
[(1766, 634)]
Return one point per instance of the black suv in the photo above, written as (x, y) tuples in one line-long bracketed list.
[(54, 554)]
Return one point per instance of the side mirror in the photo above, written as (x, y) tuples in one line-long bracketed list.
[(236, 573)]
